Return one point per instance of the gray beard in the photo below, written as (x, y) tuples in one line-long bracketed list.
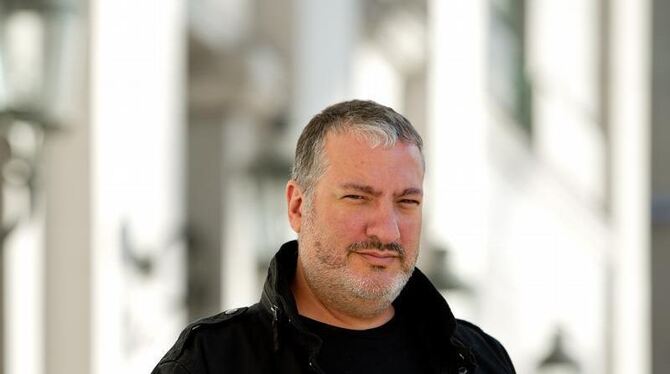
[(330, 280)]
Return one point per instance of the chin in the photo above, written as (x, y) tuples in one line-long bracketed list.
[(380, 286)]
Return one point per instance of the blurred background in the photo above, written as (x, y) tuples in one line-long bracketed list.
[(145, 145)]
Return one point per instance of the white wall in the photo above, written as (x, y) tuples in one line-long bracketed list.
[(522, 217)]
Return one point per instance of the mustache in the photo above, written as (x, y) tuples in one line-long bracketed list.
[(378, 245)]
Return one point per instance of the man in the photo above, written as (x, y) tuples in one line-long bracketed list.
[(345, 298)]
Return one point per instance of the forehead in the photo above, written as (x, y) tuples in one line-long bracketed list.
[(352, 157)]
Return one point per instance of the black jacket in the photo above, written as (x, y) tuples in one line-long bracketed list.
[(269, 338)]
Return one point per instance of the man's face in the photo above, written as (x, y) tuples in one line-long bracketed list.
[(359, 236)]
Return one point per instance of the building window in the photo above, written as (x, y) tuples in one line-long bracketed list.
[(508, 82)]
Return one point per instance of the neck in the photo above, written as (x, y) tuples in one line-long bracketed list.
[(311, 306)]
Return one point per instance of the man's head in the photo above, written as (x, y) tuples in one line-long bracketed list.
[(355, 201), (379, 124)]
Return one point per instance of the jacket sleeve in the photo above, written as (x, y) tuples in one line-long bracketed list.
[(189, 353), (490, 355), (170, 367)]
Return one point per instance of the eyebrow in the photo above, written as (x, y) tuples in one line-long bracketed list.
[(412, 191), (371, 191)]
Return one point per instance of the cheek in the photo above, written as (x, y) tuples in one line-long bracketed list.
[(331, 259), (410, 229), (411, 218), (348, 223)]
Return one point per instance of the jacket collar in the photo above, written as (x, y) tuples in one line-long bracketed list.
[(277, 296), (419, 300)]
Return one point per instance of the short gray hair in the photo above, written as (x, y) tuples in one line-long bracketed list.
[(378, 124)]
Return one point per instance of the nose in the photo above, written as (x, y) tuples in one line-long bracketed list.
[(383, 224)]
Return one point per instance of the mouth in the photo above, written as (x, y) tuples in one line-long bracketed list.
[(379, 258)]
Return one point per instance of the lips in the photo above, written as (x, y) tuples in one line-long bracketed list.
[(378, 258)]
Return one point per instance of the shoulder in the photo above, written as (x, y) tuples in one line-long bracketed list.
[(487, 350), (202, 337)]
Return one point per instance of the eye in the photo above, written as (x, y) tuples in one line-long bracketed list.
[(410, 202), (354, 197)]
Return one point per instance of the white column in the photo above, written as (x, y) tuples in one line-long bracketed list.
[(630, 119), (67, 246), (138, 53), (456, 138), (24, 297), (65, 237), (326, 33)]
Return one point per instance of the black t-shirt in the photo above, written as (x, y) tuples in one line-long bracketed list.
[(389, 349)]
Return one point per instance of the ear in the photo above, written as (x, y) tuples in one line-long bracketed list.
[(295, 200)]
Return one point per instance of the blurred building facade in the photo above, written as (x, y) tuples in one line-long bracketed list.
[(160, 199)]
